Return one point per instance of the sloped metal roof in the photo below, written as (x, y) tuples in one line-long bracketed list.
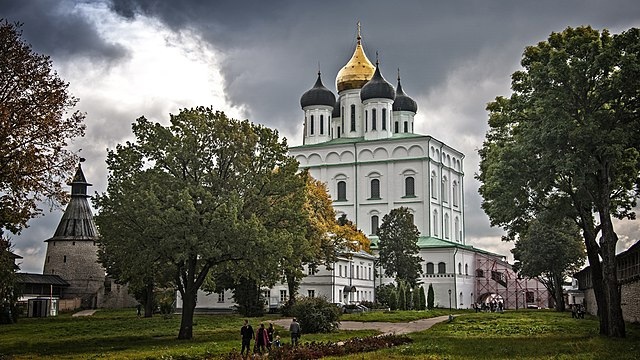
[(28, 278)]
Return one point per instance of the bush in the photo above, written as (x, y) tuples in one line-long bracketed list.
[(317, 350), (383, 294), (316, 315)]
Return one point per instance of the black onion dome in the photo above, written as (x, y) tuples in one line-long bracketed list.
[(377, 87), (318, 95), (403, 102), (336, 110)]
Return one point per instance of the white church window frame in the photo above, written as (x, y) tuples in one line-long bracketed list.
[(384, 119), (312, 126), (456, 228), (454, 193), (444, 189), (374, 120), (446, 226), (353, 118), (435, 222), (432, 185), (341, 190)]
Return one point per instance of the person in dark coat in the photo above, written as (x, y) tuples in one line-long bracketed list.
[(270, 332), (247, 334)]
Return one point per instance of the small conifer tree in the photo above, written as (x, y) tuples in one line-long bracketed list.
[(430, 297), (423, 299)]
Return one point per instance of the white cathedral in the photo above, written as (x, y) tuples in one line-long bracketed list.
[(362, 144)]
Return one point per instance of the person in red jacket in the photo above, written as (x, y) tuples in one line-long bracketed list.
[(262, 339)]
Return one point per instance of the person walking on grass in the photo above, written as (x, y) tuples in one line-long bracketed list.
[(262, 339), (247, 334), (294, 329)]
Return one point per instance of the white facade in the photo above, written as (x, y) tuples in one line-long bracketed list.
[(365, 149)]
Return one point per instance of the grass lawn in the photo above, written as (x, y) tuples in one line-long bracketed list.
[(119, 334), (534, 334)]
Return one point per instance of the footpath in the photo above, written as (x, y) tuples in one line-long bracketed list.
[(383, 327)]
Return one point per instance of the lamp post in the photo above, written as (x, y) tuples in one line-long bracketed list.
[(410, 303), (449, 300)]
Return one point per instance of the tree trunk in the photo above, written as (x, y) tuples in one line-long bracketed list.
[(292, 285), (188, 308), (557, 279), (593, 254), (616, 326), (148, 305)]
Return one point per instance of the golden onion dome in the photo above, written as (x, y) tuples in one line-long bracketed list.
[(357, 71)]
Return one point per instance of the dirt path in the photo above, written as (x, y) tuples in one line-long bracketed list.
[(383, 327)]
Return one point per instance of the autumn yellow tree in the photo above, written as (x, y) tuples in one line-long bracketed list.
[(35, 127)]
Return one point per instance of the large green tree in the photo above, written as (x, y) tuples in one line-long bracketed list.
[(398, 246), (9, 289), (35, 127), (201, 190), (551, 249), (570, 129)]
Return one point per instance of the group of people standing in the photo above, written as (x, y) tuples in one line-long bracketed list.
[(264, 337), (491, 306)]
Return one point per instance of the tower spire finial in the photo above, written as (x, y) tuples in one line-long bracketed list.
[(398, 74), (377, 58), (359, 36), (318, 68)]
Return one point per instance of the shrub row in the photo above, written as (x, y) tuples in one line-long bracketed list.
[(317, 350)]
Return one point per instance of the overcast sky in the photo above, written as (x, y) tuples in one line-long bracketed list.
[(254, 59)]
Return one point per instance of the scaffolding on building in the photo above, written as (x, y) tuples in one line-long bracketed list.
[(496, 279)]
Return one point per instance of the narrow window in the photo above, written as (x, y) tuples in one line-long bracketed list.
[(384, 119), (353, 118), (312, 125), (366, 120), (374, 225), (375, 189), (432, 185), (396, 127), (406, 127), (456, 228), (342, 123), (321, 124), (342, 191), (466, 269), (454, 195), (435, 222), (311, 293), (459, 268), (339, 132), (64, 259), (409, 186), (221, 297), (373, 119), (446, 226), (444, 189)]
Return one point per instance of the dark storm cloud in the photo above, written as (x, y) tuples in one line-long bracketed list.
[(53, 28), (272, 48)]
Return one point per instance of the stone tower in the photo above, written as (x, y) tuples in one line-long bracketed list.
[(72, 251)]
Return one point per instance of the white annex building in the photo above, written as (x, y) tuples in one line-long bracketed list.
[(362, 144)]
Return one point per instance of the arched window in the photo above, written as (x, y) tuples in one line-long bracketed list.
[(353, 118), (461, 299), (442, 268), (396, 127), (342, 125), (409, 186), (342, 191), (429, 268), (432, 185), (459, 268), (454, 190), (375, 189), (466, 269), (406, 127), (321, 124), (444, 190), (435, 222), (456, 228), (384, 119), (339, 131), (374, 224), (446, 226), (373, 120), (312, 125)]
